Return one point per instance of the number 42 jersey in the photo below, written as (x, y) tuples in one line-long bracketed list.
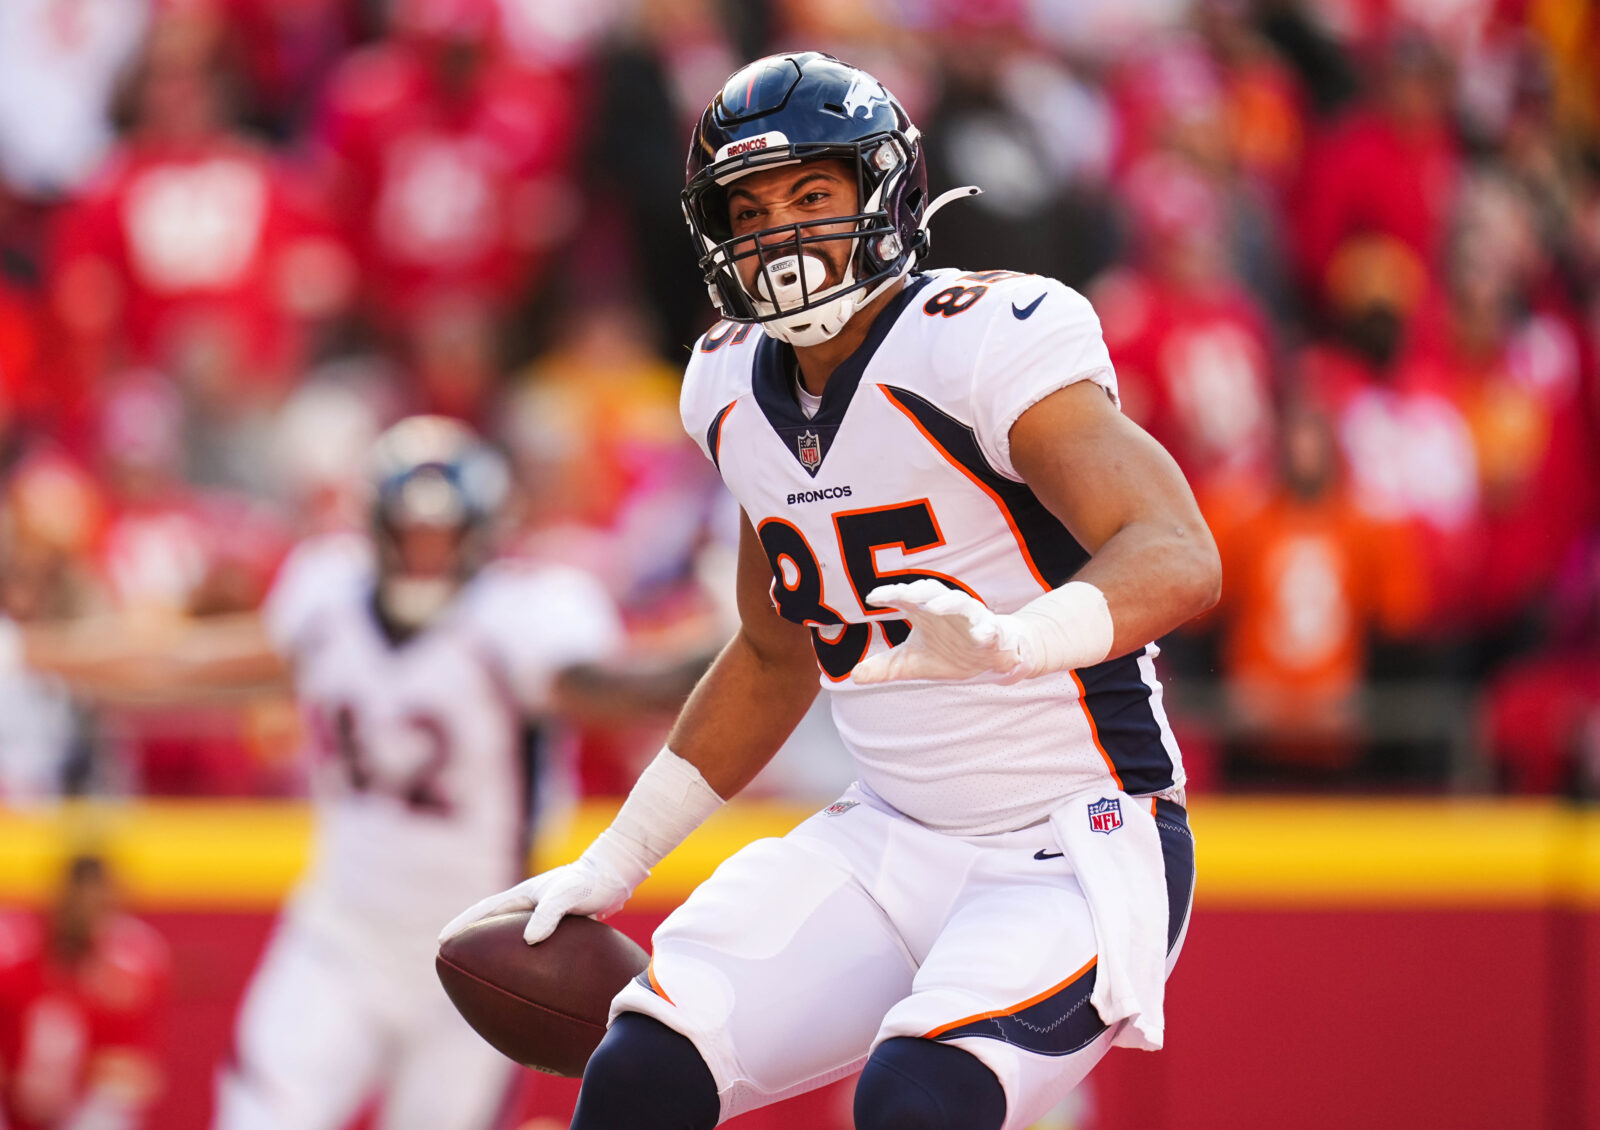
[(425, 765), (904, 472)]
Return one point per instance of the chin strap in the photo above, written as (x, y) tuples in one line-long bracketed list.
[(943, 198), (949, 197)]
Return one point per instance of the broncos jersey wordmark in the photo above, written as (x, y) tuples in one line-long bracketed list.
[(904, 472)]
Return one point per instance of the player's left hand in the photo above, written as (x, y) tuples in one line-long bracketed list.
[(953, 636), (588, 885)]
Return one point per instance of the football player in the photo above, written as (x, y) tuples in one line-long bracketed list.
[(950, 525), (419, 666), (82, 993)]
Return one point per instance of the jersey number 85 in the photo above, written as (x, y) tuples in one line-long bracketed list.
[(797, 587)]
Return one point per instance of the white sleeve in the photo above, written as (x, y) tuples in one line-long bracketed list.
[(541, 621), (317, 574), (1025, 359), (713, 381), (692, 404)]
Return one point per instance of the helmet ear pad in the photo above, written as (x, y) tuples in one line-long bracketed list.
[(904, 194)]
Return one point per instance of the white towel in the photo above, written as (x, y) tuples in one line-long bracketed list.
[(1114, 847)]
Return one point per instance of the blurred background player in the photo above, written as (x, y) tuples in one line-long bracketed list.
[(420, 667), (81, 990)]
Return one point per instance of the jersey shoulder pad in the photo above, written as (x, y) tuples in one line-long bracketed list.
[(547, 615), (718, 373), (1005, 304), (1021, 338), (319, 574), (952, 321), (1035, 309)]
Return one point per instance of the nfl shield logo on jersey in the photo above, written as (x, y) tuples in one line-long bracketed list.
[(810, 448), (840, 807), (1105, 815)]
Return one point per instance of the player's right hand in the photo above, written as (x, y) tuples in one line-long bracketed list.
[(953, 637), (588, 885)]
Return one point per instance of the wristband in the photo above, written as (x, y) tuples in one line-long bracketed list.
[(1066, 628), (668, 801)]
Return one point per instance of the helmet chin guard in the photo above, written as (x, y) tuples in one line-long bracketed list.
[(785, 284), (784, 110)]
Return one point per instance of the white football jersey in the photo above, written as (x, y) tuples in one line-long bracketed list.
[(424, 750), (904, 472)]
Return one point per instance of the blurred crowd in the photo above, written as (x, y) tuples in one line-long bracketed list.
[(1346, 254)]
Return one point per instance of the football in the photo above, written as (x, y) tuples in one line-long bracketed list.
[(544, 1006)]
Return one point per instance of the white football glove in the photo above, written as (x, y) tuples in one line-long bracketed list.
[(955, 636), (668, 801), (597, 883)]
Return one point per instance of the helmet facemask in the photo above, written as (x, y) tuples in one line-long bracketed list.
[(788, 295), (432, 480), (424, 506)]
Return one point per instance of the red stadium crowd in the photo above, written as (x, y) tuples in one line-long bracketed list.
[(1346, 257)]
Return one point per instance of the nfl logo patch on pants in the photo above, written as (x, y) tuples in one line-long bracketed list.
[(1105, 815)]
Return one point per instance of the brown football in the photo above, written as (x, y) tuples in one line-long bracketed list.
[(544, 1006)]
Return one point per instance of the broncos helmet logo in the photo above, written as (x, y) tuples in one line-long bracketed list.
[(865, 93)]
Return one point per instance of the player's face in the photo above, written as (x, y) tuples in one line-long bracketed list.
[(806, 193), (427, 551)]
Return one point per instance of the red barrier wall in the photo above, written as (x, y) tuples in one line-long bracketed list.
[(1319, 1020), (1381, 964), (1331, 1020), (213, 956)]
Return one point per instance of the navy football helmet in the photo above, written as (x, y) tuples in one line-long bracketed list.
[(431, 471), (782, 110)]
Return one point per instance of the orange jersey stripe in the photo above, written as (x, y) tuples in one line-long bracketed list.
[(1022, 547), (1094, 731), (722, 424), (650, 971), (1005, 511)]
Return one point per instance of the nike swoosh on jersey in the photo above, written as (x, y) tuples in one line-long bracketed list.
[(1026, 312), (1041, 853)]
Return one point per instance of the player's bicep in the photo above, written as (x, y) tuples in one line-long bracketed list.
[(1098, 471), (775, 639)]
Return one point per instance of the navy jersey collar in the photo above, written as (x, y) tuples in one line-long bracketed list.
[(774, 387), (774, 361)]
